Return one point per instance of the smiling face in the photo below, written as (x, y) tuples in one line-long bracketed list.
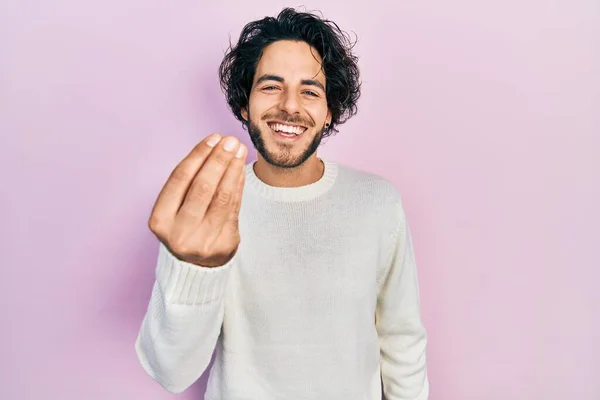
[(287, 109)]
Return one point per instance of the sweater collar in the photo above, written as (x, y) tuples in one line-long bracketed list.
[(293, 194)]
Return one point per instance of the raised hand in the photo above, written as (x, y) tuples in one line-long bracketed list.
[(196, 213)]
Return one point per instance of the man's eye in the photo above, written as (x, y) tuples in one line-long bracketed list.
[(310, 93), (270, 87)]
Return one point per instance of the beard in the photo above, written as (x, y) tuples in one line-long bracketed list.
[(283, 157)]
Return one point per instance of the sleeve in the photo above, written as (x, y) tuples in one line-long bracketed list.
[(183, 322), (402, 336)]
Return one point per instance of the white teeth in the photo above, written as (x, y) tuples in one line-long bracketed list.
[(296, 130)]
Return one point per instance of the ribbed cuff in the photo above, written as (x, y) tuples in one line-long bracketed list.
[(189, 284)]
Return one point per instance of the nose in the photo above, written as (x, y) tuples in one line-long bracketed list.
[(290, 102)]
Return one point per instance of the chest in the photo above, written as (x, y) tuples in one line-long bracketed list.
[(308, 264)]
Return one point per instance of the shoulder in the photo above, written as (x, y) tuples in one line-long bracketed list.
[(370, 190), (367, 184)]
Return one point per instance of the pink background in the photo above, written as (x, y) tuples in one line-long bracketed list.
[(485, 114)]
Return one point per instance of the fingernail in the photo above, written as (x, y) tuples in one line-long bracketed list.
[(213, 140), (230, 144), (241, 151)]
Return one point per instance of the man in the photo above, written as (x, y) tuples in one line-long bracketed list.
[(304, 281)]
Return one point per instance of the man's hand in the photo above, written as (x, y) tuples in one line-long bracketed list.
[(196, 213)]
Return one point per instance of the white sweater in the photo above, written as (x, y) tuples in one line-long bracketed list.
[(321, 301)]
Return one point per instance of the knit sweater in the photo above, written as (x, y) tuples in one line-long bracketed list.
[(321, 301)]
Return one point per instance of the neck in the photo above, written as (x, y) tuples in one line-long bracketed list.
[(309, 172)]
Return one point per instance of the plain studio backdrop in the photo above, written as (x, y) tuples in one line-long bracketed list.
[(486, 115)]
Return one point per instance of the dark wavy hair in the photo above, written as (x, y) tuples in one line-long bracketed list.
[(236, 72)]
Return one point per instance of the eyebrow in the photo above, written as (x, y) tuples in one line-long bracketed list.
[(276, 78)]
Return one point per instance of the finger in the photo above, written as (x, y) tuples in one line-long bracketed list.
[(225, 204), (173, 192), (203, 187), (239, 193), (231, 230)]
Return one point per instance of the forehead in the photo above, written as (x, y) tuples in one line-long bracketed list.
[(292, 60)]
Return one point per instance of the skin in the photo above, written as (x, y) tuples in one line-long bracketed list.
[(289, 86), (196, 213)]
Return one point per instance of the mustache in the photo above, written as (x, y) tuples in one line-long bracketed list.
[(291, 119)]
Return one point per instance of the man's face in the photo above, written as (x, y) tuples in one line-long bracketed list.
[(287, 108)]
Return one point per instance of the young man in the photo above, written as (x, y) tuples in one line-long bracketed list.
[(305, 280)]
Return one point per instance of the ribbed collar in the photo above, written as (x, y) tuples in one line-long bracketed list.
[(293, 194)]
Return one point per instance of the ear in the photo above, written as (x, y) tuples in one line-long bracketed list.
[(328, 118), (244, 112)]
